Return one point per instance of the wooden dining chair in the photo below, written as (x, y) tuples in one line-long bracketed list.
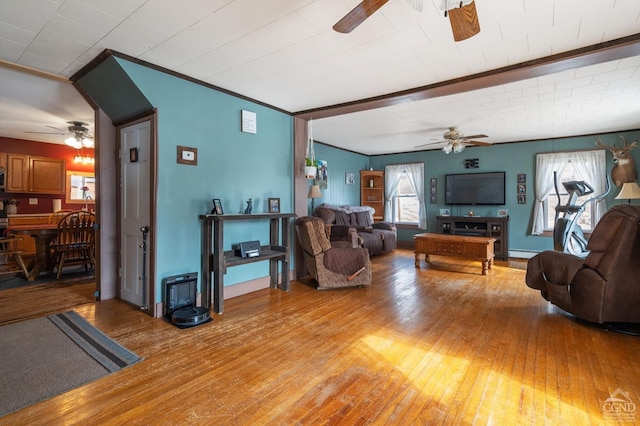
[(75, 241), (11, 261), (55, 217)]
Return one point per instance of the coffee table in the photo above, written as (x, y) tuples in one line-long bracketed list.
[(471, 247)]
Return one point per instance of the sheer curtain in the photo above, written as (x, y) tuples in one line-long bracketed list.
[(415, 175), (590, 166)]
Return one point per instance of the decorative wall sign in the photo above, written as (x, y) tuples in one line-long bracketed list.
[(187, 155), (249, 122), (471, 163)]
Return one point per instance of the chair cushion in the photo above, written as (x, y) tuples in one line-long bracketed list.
[(342, 218), (345, 261)]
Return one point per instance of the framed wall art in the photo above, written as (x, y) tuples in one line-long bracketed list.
[(217, 206), (274, 205)]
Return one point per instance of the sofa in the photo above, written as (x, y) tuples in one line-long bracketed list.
[(377, 237), (604, 287)]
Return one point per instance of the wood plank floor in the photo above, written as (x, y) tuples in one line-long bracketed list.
[(442, 344)]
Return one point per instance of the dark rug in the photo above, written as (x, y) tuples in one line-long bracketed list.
[(75, 274), (44, 357)]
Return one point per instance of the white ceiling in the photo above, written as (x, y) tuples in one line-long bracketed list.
[(285, 53)]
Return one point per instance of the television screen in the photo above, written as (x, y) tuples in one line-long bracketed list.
[(475, 189)]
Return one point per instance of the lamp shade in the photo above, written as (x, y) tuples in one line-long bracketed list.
[(630, 191), (314, 192)]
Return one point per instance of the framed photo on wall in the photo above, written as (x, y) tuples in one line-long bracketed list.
[(434, 181), (350, 178), (434, 199), (522, 178), (522, 199), (274, 205)]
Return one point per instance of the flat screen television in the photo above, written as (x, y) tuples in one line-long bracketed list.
[(475, 189)]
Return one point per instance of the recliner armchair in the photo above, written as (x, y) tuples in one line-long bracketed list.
[(329, 265), (605, 286)]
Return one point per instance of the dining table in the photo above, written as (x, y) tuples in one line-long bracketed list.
[(43, 234)]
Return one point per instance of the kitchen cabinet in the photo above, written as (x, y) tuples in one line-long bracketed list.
[(35, 175)]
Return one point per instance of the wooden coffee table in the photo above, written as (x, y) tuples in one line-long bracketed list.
[(480, 248)]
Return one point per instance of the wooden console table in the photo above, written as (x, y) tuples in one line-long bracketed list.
[(216, 261), (455, 245)]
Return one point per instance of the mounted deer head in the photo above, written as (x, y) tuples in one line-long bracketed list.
[(624, 169)]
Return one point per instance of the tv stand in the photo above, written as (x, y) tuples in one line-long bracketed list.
[(476, 226)]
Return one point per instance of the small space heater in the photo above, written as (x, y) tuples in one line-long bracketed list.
[(180, 301)]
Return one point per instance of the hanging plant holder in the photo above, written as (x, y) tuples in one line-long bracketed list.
[(310, 168)]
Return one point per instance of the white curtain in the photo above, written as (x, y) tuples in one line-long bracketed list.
[(415, 175), (590, 166)]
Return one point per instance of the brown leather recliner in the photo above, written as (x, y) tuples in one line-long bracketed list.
[(604, 287), (329, 265)]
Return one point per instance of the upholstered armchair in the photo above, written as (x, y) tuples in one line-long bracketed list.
[(331, 266), (605, 286)]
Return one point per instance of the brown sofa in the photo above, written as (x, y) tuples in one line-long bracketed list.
[(604, 287), (377, 237)]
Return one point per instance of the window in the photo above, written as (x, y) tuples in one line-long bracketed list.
[(404, 194), (589, 166), (551, 201), (405, 202)]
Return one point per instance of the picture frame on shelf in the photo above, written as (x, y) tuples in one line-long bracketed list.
[(350, 178), (503, 213), (445, 212), (274, 205), (217, 206)]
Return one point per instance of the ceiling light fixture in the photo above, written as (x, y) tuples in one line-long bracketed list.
[(456, 146), (79, 138)]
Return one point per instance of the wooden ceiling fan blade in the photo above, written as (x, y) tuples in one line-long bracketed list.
[(478, 143), (430, 143), (358, 15), (47, 133), (476, 136), (464, 21)]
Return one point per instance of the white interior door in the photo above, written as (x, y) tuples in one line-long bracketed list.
[(135, 166)]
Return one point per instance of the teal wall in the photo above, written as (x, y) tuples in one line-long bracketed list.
[(339, 162), (232, 166), (513, 158)]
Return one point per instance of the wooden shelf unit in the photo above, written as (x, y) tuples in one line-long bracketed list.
[(372, 195), (495, 227), (215, 260)]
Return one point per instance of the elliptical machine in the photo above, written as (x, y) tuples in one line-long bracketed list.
[(568, 236)]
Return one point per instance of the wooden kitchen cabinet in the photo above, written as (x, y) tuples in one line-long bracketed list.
[(35, 175)]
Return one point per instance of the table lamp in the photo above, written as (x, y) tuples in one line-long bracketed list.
[(314, 192), (630, 191)]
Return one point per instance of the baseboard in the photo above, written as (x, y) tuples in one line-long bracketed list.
[(522, 254), (247, 287)]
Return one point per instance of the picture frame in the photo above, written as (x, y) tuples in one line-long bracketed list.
[(445, 212), (522, 199), (187, 155), (503, 213), (434, 181), (434, 190), (350, 178), (274, 205), (522, 178), (217, 206), (434, 199), (133, 155), (522, 188)]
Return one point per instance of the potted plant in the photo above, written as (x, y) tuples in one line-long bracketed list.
[(10, 206), (310, 168)]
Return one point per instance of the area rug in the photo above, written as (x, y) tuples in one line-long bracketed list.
[(44, 357)]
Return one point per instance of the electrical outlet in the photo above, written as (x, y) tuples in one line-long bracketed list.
[(33, 201)]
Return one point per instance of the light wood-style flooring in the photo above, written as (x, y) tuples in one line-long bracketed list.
[(442, 344)]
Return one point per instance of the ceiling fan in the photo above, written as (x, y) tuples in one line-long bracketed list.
[(462, 16), (79, 136), (456, 141)]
